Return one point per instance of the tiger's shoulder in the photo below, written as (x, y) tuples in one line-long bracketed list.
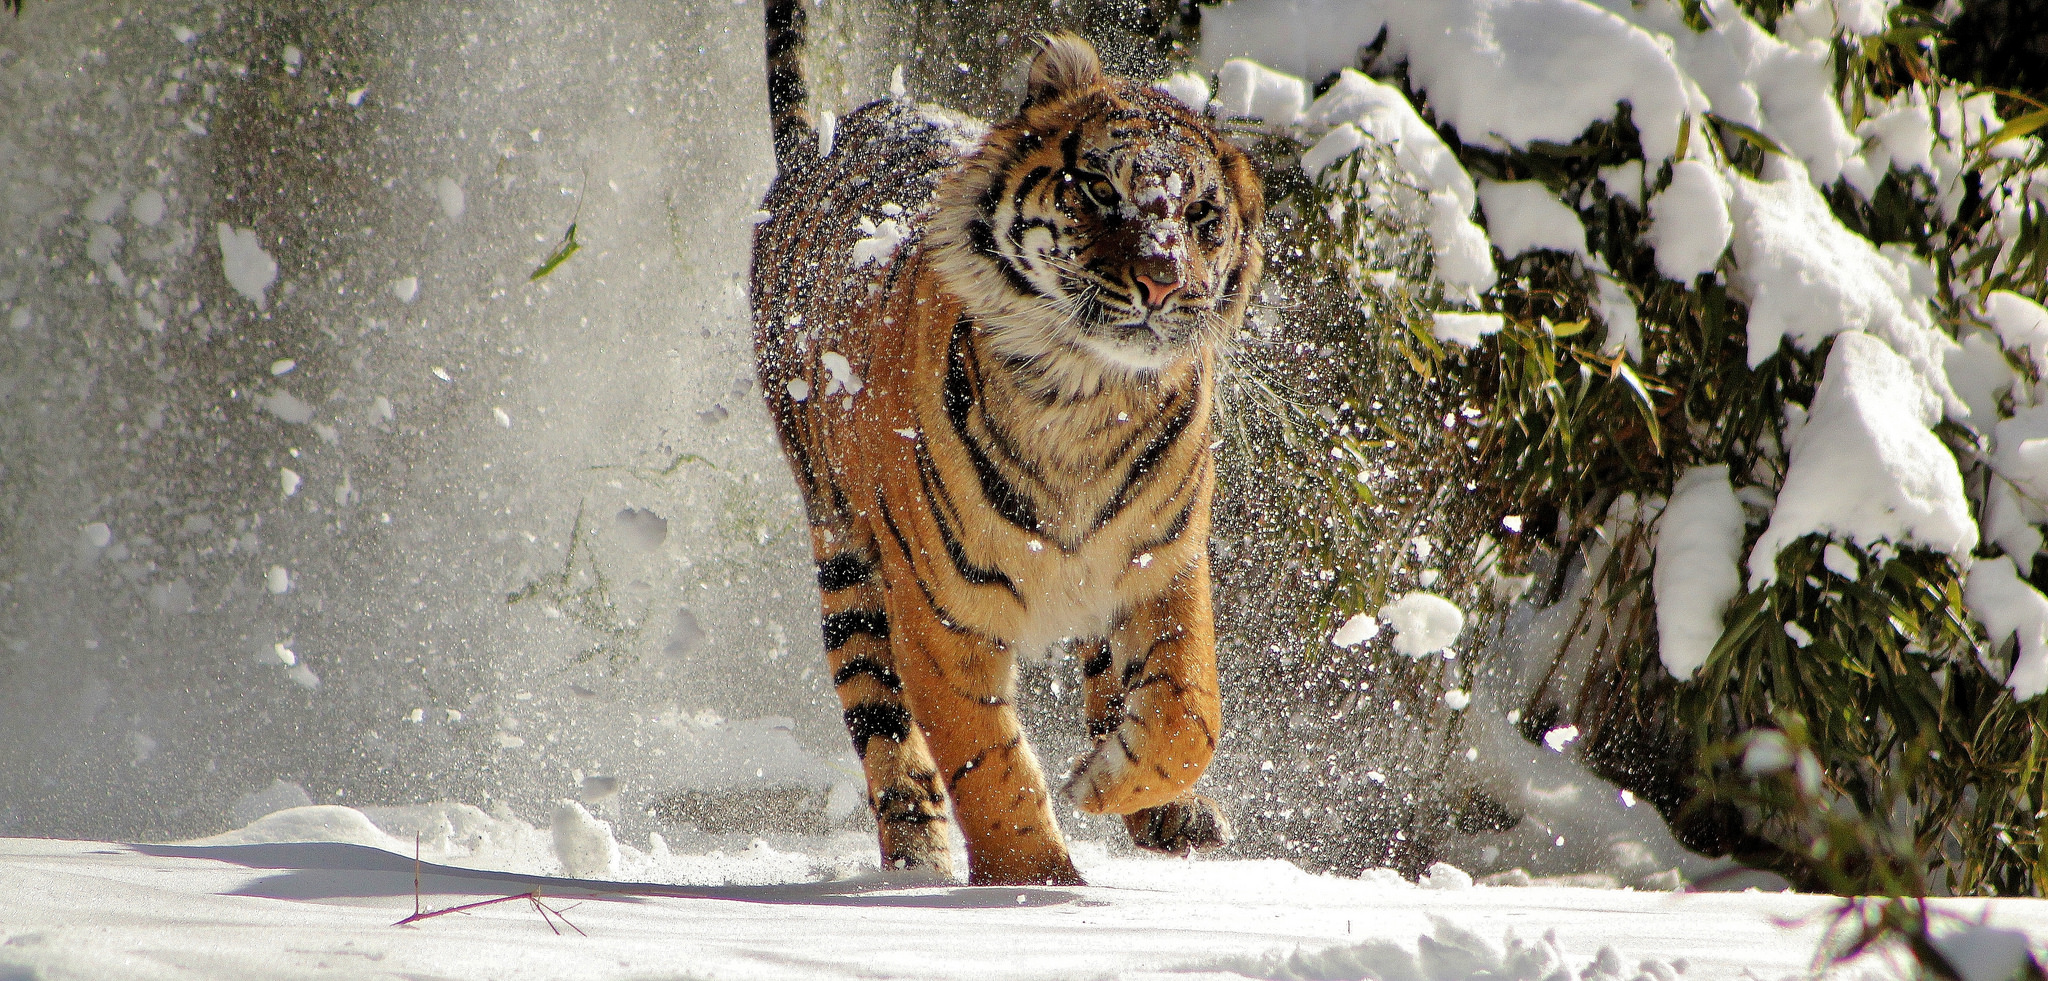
[(851, 210)]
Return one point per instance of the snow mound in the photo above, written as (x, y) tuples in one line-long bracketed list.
[(1699, 551), (1449, 952), (319, 822), (1806, 277), (583, 844), (1866, 466)]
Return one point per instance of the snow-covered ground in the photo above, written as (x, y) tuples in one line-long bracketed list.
[(99, 910), (318, 891)]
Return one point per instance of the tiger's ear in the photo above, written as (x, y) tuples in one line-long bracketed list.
[(1064, 64)]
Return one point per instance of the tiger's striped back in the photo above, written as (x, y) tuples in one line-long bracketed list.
[(982, 484)]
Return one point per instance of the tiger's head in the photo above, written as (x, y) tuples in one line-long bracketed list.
[(1103, 231)]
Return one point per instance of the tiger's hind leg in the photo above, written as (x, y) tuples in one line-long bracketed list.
[(903, 783), (1190, 822), (1158, 716)]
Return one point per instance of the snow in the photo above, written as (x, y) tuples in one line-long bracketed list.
[(1981, 952), (1424, 623), (1191, 89), (288, 481), (406, 288), (448, 194), (1617, 309), (1522, 216), (1357, 107), (1978, 373), (1806, 277), (286, 406), (1689, 225), (248, 268), (2021, 323), (583, 844), (1557, 739), (96, 535), (1697, 571), (2009, 606), (879, 241), (1865, 466), (1355, 631), (1465, 329), (1246, 89), (320, 889)]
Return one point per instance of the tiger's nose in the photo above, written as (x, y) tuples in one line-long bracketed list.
[(1156, 292)]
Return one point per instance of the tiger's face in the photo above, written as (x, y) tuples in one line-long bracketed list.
[(1106, 226)]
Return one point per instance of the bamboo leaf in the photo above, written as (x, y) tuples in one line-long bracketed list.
[(563, 250)]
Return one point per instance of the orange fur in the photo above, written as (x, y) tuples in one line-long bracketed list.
[(996, 461)]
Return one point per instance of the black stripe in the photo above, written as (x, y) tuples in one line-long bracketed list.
[(845, 571), (871, 719), (1142, 468), (1070, 145), (983, 239), (872, 668), (1096, 663), (1030, 183), (840, 627), (1112, 717), (934, 488), (939, 612), (965, 768), (1015, 508)]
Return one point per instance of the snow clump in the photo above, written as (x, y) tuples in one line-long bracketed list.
[(1698, 567), (248, 268), (2010, 606), (1424, 623), (1246, 89), (1465, 329), (583, 844), (879, 242), (1689, 226), (1525, 215), (1866, 466), (1356, 631)]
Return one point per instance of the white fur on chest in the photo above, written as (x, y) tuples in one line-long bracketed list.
[(1069, 596)]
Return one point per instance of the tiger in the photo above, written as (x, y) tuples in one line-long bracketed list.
[(990, 356)]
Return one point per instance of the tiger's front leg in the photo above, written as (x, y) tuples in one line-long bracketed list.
[(959, 685), (1154, 713)]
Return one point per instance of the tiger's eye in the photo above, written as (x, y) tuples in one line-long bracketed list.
[(1102, 191)]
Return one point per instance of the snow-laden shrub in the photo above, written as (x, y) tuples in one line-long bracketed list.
[(1736, 313)]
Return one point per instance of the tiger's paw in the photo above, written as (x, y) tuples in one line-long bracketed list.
[(1188, 823), (1113, 779)]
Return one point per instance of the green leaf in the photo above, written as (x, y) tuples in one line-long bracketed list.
[(1750, 135), (1644, 404), (563, 250), (2017, 128)]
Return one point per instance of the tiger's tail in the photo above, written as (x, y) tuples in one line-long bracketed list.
[(789, 115)]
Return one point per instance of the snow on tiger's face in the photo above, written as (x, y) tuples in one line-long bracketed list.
[(1110, 224)]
